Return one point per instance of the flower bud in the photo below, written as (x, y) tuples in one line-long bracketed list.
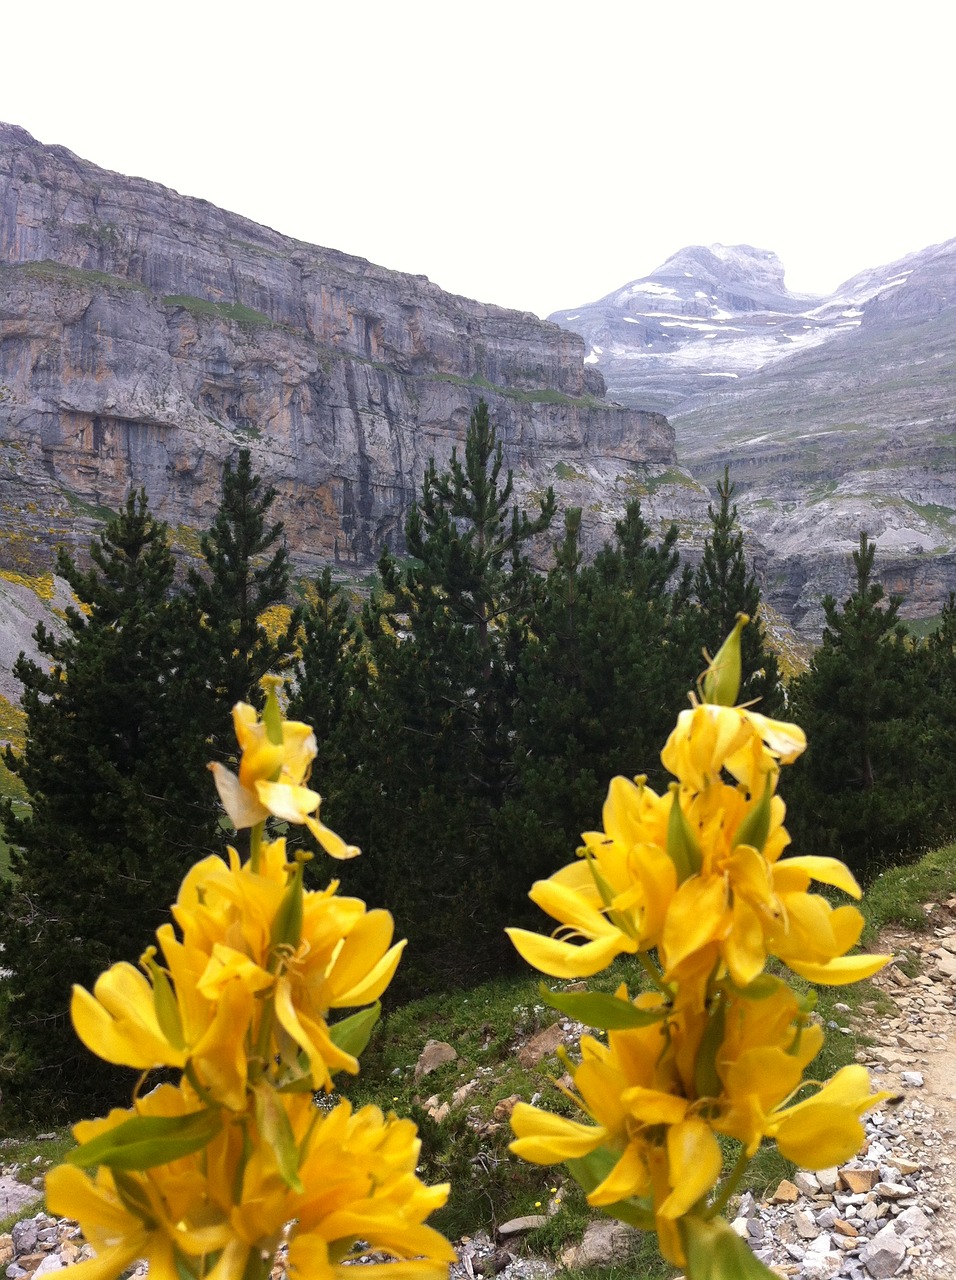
[(721, 682)]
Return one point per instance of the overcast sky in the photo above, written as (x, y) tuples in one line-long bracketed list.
[(533, 153)]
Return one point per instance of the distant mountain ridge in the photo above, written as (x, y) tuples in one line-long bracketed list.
[(834, 413), (705, 310)]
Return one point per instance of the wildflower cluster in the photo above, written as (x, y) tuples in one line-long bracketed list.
[(694, 885), (204, 1177)]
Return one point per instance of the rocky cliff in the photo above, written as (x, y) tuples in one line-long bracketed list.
[(145, 337), (834, 414)]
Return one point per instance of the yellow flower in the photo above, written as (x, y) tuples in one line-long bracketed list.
[(274, 766), (658, 1148), (234, 967), (362, 1196), (615, 897), (708, 738), (161, 1215), (825, 1129)]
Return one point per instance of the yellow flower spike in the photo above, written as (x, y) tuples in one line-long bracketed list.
[(721, 682)]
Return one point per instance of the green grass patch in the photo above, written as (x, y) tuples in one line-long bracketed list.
[(27, 1158), (248, 317), (565, 471), (920, 628), (897, 896), (59, 272)]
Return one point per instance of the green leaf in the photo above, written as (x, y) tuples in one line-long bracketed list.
[(715, 1252), (597, 1009), (287, 925), (707, 1082), (755, 828), (275, 1128), (352, 1034), (145, 1141), (682, 847)]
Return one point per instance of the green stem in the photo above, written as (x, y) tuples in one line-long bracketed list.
[(255, 842), (190, 1073), (652, 971), (730, 1186)]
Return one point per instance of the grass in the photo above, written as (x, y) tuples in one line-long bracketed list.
[(57, 271), (31, 1157), (248, 317), (897, 896)]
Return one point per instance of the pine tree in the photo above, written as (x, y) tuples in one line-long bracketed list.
[(724, 587), (865, 789), (229, 647), (331, 693), (444, 636), (615, 650), (114, 820)]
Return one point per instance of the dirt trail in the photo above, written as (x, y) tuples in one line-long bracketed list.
[(919, 1036)]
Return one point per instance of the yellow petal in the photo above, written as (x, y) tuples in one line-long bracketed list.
[(119, 1023), (826, 871), (239, 802), (291, 803), (562, 960), (654, 1107), (697, 915), (840, 972), (694, 1160), (543, 1138), (629, 1177), (745, 950), (333, 845)]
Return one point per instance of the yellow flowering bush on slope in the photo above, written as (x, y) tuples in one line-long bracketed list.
[(205, 1178), (694, 884)]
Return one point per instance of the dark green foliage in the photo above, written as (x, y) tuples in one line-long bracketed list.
[(867, 789), (332, 693), (614, 650), (110, 765), (444, 635), (229, 649), (724, 587)]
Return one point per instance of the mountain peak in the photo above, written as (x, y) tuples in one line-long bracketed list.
[(722, 264)]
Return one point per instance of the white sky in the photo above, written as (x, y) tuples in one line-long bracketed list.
[(533, 153)]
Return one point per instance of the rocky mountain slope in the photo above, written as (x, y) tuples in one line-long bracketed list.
[(834, 414), (146, 337)]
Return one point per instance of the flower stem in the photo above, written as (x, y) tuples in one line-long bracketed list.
[(255, 842), (730, 1186), (652, 971)]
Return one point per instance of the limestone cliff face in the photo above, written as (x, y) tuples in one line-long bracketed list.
[(146, 337)]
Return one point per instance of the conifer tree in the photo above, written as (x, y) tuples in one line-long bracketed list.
[(865, 790), (724, 587), (444, 636), (615, 649), (229, 649), (114, 823), (331, 692)]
